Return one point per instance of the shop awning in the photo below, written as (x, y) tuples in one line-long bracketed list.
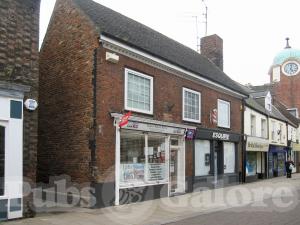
[(295, 147), (255, 144)]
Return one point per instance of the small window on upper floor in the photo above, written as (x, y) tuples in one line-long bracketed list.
[(263, 128), (223, 114), (294, 112), (138, 92), (253, 125), (191, 105)]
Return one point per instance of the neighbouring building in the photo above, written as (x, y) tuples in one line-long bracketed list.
[(256, 141), (292, 134), (285, 78), (19, 37), (97, 65), (278, 134)]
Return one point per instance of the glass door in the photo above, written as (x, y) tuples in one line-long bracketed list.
[(177, 166), (174, 170)]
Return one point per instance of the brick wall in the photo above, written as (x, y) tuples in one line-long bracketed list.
[(212, 48), (167, 92), (19, 37), (66, 95), (287, 90)]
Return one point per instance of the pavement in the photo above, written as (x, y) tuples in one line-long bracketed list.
[(262, 202)]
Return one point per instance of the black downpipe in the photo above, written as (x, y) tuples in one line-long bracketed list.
[(243, 143), (94, 127)]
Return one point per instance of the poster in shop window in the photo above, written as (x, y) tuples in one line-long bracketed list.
[(156, 172), (132, 172)]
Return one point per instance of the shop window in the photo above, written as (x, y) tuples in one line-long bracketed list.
[(191, 105), (223, 114), (253, 125), (229, 157), (251, 163), (2, 159), (138, 92), (263, 128), (202, 158), (142, 159)]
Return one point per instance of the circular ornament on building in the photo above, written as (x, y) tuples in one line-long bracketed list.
[(290, 68), (31, 104)]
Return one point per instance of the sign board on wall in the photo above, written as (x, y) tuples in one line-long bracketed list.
[(255, 144), (213, 134), (154, 128)]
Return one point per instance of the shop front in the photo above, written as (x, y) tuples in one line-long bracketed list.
[(215, 159), (294, 154), (276, 162), (256, 158), (150, 160)]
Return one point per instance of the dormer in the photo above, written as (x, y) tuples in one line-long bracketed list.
[(268, 102)]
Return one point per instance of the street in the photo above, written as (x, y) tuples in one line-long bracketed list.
[(273, 201), (245, 216)]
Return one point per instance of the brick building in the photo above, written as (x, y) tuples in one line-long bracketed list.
[(95, 66), (285, 76), (19, 32)]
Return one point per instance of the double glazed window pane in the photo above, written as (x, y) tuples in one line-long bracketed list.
[(191, 105), (139, 95)]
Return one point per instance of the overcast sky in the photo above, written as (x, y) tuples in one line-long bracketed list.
[(253, 31)]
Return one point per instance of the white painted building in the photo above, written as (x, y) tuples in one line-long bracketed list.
[(11, 150), (257, 143)]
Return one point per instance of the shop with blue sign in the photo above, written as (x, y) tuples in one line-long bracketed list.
[(276, 161)]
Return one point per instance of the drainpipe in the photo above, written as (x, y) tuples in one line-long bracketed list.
[(243, 143), (93, 137)]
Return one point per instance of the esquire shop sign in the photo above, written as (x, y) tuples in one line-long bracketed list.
[(221, 136), (209, 134)]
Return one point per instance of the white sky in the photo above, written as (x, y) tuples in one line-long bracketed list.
[(253, 31)]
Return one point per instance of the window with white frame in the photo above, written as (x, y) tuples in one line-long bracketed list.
[(138, 92), (223, 113), (263, 128), (253, 125), (191, 105), (294, 112)]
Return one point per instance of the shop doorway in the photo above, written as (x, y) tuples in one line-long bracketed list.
[(177, 170)]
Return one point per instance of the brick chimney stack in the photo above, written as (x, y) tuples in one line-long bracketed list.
[(212, 48)]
